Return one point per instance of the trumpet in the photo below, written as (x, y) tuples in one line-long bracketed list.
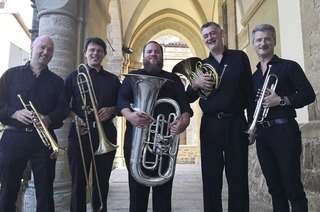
[(193, 68), (261, 113), (43, 132)]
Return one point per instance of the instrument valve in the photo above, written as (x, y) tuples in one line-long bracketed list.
[(157, 150)]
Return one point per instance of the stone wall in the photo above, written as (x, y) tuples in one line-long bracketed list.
[(310, 163), (310, 168)]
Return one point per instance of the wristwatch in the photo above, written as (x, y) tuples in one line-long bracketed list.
[(282, 101)]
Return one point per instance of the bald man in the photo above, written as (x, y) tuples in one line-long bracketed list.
[(20, 141)]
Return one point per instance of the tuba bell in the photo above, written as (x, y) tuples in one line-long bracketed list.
[(155, 139), (192, 68)]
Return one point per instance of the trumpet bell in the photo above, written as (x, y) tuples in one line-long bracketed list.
[(57, 153)]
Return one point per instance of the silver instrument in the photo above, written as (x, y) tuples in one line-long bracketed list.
[(260, 112), (156, 139)]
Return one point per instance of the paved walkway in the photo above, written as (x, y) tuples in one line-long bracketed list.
[(187, 192)]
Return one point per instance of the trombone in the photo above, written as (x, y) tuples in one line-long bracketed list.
[(43, 132), (84, 166), (85, 86), (83, 79), (257, 118)]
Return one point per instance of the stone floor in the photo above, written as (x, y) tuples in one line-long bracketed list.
[(187, 192)]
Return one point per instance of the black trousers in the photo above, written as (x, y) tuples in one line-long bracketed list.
[(16, 148), (224, 145), (279, 149), (139, 194), (104, 163)]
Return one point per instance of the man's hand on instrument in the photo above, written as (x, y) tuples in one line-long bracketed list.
[(106, 113), (271, 99), (24, 116), (140, 119), (83, 129), (180, 124), (45, 120), (204, 81), (136, 118)]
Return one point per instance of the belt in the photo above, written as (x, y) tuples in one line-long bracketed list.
[(270, 123), (21, 129), (220, 115)]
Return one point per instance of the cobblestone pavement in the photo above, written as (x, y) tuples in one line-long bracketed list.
[(186, 195)]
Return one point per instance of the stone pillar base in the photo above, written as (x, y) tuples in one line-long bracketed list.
[(118, 161), (27, 199)]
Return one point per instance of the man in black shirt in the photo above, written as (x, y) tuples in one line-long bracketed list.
[(174, 89), (223, 141), (20, 141), (105, 89), (278, 136)]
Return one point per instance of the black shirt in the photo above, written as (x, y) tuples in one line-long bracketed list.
[(45, 92), (105, 86), (234, 94), (292, 83), (173, 89)]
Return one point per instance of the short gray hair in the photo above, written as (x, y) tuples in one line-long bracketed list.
[(211, 23), (264, 27)]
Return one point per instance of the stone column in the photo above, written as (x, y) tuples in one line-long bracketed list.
[(58, 19), (310, 131), (35, 22)]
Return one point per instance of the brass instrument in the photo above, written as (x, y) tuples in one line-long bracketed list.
[(155, 139), (43, 132), (193, 68), (94, 166), (85, 86), (261, 113)]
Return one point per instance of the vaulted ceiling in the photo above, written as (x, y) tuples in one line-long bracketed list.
[(143, 20)]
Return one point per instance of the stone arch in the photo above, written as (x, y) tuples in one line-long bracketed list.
[(142, 5), (160, 23)]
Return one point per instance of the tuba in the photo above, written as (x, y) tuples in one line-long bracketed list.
[(261, 113), (192, 68), (85, 86), (43, 132), (155, 139)]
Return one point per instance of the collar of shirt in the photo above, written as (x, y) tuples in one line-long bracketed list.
[(274, 59), (27, 67)]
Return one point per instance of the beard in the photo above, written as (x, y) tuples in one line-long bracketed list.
[(153, 68)]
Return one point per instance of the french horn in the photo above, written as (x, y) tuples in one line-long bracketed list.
[(193, 68)]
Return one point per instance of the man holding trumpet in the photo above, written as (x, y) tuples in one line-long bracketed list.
[(20, 141), (278, 137)]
